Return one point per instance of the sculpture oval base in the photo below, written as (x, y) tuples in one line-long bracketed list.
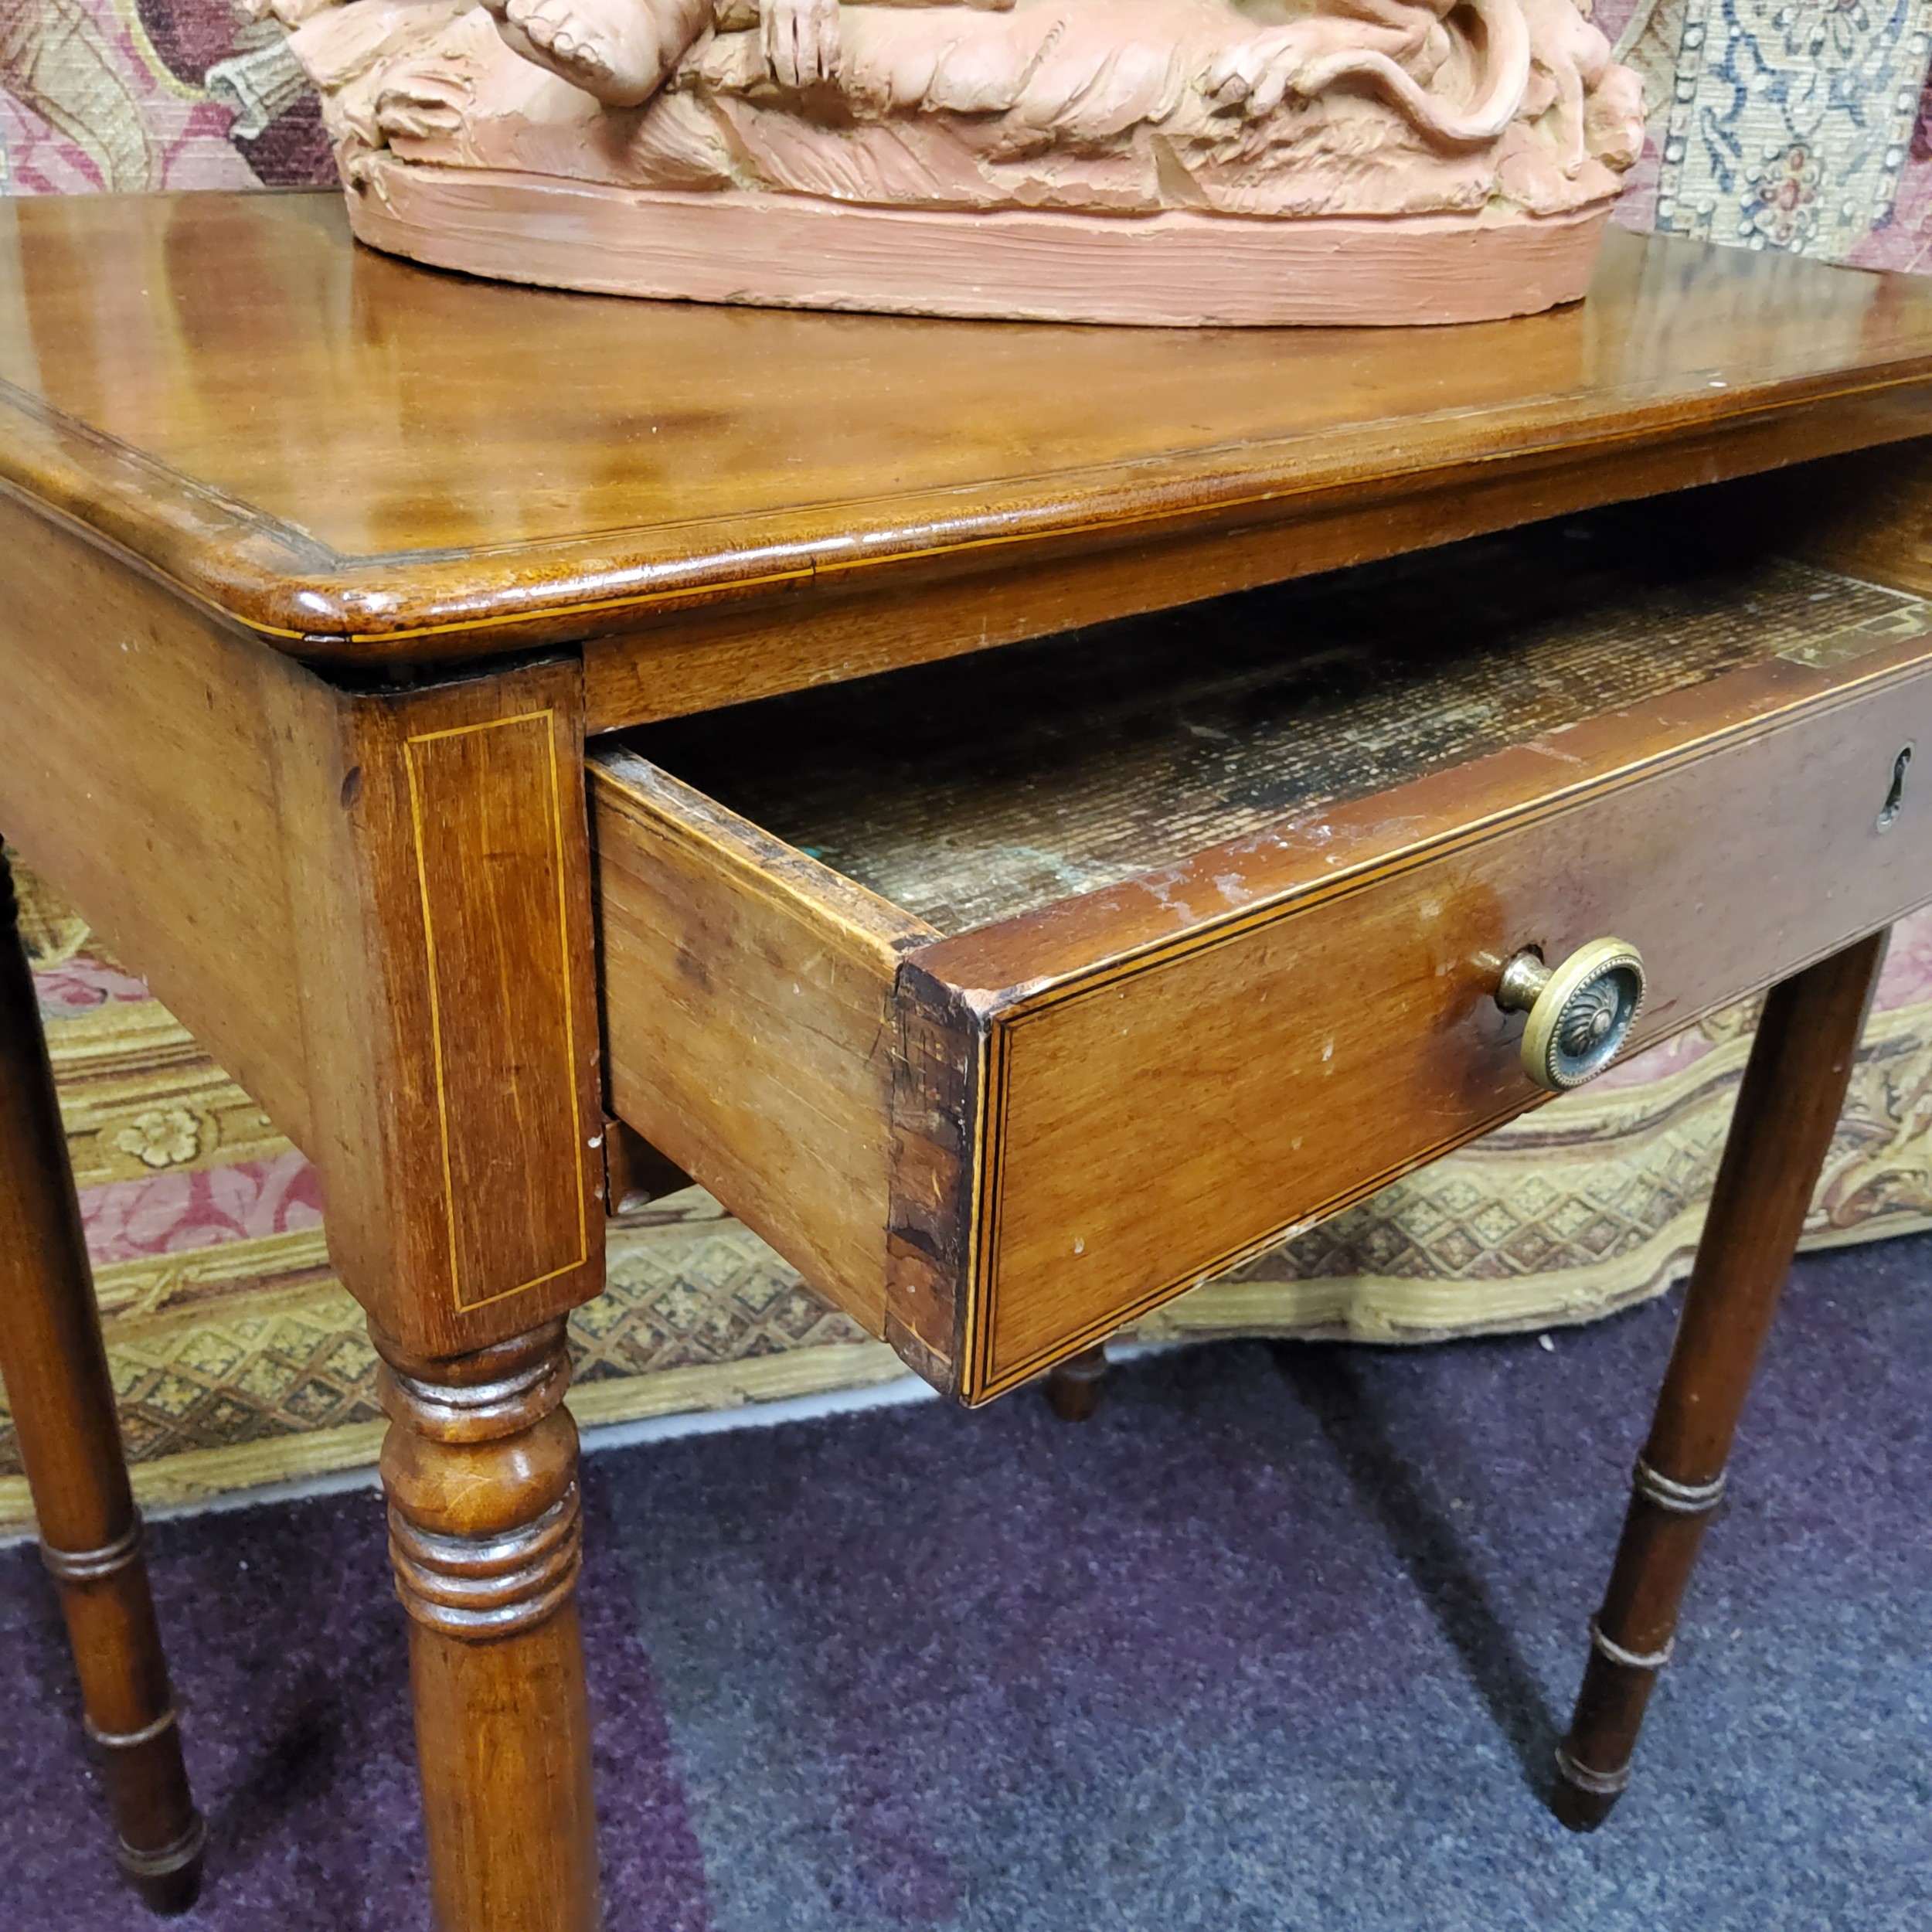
[(788, 251)]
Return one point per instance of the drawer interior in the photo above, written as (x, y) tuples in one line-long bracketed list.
[(994, 992), (986, 787)]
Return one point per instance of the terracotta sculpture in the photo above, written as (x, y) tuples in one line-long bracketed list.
[(1161, 161)]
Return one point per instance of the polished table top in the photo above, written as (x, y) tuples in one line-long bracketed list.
[(359, 458)]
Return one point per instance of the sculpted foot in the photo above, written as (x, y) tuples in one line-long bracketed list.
[(1255, 74), (611, 49)]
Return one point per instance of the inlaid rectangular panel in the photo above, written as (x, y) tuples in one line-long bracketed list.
[(438, 860), (487, 820)]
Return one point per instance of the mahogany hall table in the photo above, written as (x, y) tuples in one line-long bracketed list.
[(365, 649)]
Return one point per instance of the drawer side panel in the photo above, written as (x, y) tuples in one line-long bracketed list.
[(749, 1024)]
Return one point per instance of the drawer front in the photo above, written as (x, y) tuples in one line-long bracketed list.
[(1086, 1128)]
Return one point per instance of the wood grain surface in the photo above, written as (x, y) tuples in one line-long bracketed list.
[(486, 1537), (136, 767), (1870, 514), (321, 567), (487, 803), (438, 855), (374, 907), (748, 1004), (61, 1392), (1261, 1067), (364, 460), (1374, 1022), (976, 791)]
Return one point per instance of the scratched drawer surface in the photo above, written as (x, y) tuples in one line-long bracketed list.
[(1009, 997)]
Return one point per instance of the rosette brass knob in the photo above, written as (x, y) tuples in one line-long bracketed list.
[(1580, 1012)]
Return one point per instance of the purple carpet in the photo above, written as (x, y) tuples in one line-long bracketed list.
[(1280, 1640)]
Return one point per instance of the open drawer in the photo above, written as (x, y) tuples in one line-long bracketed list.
[(1008, 997)]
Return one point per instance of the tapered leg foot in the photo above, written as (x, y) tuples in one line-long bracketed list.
[(1582, 1800), (1787, 1107), (1074, 1387), (56, 1368), (486, 1537), (169, 1880)]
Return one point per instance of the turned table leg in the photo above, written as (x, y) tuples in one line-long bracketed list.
[(486, 1539), (438, 857), (1787, 1108), (56, 1369), (1074, 1387)]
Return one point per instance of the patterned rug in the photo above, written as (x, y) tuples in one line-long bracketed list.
[(240, 1361)]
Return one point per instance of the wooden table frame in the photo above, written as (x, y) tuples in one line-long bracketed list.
[(334, 806), (435, 853)]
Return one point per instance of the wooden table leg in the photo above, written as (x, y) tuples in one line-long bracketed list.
[(439, 854), (56, 1368), (1073, 1387), (1787, 1108), (486, 1539)]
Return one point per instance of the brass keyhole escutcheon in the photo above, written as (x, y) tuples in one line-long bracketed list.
[(1580, 1012), (1895, 798)]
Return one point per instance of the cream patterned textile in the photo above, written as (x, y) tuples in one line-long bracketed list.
[(1789, 124)]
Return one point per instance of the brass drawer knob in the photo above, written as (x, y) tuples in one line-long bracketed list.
[(1580, 1012)]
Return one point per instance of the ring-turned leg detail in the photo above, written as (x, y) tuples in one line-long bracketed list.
[(1787, 1108), (56, 1368), (486, 1539)]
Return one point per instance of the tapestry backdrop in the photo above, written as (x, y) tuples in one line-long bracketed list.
[(1798, 124), (1795, 124)]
